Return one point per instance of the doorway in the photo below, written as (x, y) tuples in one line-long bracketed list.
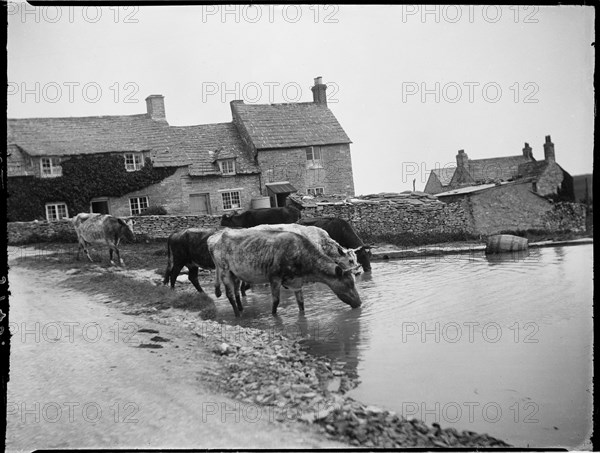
[(200, 203)]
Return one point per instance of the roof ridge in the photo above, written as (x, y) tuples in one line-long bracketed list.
[(140, 115)]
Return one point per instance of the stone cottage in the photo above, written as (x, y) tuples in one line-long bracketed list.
[(266, 151), (546, 177)]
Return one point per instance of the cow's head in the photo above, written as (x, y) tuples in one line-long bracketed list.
[(363, 255), (343, 285), (128, 231)]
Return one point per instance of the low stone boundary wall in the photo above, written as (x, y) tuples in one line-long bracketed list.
[(152, 227), (411, 217)]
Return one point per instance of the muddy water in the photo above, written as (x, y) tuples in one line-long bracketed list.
[(495, 345)]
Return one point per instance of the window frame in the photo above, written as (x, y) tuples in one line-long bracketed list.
[(138, 208), (312, 161), (229, 193), (315, 191), (56, 205), (226, 163), (138, 161), (54, 165)]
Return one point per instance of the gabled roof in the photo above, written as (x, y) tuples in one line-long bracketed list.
[(289, 125), (86, 135), (495, 168), (532, 169), (444, 175), (200, 146)]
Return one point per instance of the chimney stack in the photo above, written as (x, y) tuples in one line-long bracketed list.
[(527, 151), (155, 106), (461, 158), (319, 96), (549, 150)]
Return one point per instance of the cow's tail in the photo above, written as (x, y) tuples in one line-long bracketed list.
[(169, 264)]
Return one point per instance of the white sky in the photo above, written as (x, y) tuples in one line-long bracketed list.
[(376, 59)]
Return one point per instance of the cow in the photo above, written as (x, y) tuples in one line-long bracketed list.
[(342, 232), (254, 217), (281, 258), (104, 229), (188, 248), (346, 258)]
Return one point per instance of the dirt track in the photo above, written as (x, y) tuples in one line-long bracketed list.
[(79, 379)]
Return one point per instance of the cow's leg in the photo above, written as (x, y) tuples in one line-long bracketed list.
[(87, 252), (275, 288), (175, 270), (299, 300), (193, 277), (236, 287), (116, 247), (228, 281), (217, 282)]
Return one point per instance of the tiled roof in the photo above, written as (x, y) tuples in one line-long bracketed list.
[(532, 169), (444, 175), (202, 145), (195, 146), (495, 168), (86, 135), (289, 125)]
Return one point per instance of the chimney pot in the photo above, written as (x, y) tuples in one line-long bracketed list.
[(319, 96), (461, 158)]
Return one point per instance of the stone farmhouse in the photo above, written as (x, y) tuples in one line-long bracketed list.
[(264, 154), (545, 177)]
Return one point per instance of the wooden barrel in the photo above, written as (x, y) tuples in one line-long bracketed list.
[(260, 202), (501, 243)]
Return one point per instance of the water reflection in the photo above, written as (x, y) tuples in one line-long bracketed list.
[(501, 258), (529, 349)]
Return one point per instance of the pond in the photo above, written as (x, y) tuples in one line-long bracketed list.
[(499, 345)]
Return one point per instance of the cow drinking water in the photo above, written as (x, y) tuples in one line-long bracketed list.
[(280, 258), (103, 229)]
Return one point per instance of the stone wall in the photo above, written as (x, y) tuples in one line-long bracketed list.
[(411, 217), (151, 227), (334, 175)]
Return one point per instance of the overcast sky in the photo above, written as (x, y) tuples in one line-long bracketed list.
[(410, 85)]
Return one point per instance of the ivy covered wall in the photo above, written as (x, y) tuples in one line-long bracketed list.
[(83, 178)]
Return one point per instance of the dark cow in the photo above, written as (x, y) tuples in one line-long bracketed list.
[(280, 258), (342, 232), (104, 229), (255, 217), (188, 248)]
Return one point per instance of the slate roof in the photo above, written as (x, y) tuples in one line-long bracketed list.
[(86, 135), (532, 169), (444, 175), (503, 168), (289, 125), (202, 145)]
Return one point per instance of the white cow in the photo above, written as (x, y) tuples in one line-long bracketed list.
[(103, 229)]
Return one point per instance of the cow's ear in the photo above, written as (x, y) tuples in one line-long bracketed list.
[(339, 271)]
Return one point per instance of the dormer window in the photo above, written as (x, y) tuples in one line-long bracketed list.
[(313, 157), (134, 161), (227, 166), (50, 167)]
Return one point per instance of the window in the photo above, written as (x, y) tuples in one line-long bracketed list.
[(50, 167), (137, 205), (227, 166), (316, 191), (231, 200), (313, 157), (133, 161), (56, 211)]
